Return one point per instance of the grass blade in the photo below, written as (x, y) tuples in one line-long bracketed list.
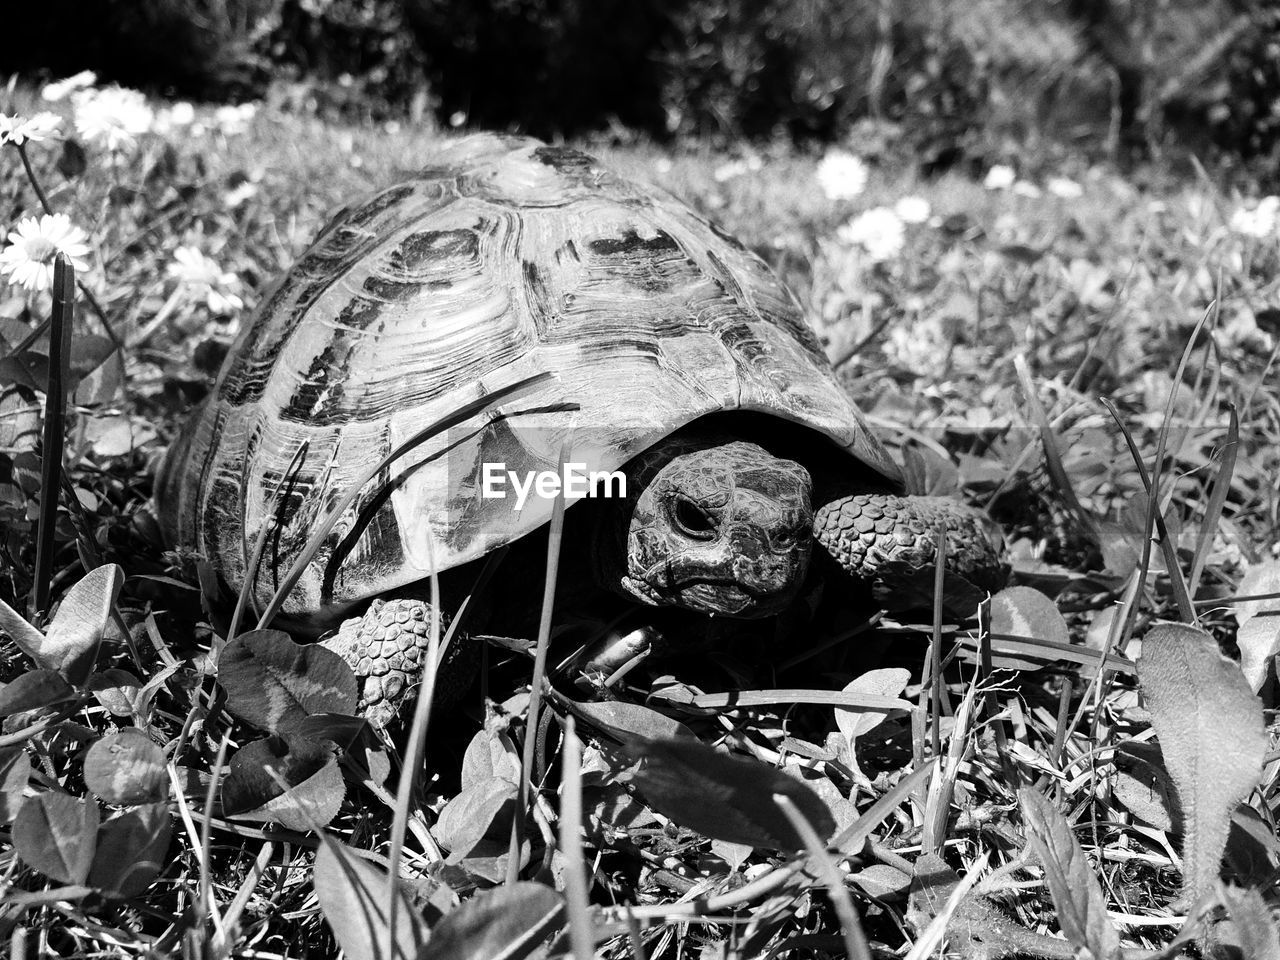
[(417, 745), (554, 538), (1217, 499), (855, 940), (1155, 517), (62, 318), (254, 562), (935, 647), (1052, 455), (576, 887)]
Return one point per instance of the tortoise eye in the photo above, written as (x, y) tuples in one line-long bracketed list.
[(691, 520)]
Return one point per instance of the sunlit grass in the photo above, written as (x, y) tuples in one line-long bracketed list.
[(997, 295)]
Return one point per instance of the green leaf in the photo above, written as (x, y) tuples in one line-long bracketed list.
[(117, 690), (508, 923), (15, 771), (1143, 787), (56, 834), (275, 683), (340, 729), (1256, 934), (1211, 733), (1082, 911), (26, 637), (887, 682), (126, 767), (624, 720), (723, 797), (132, 851), (72, 639), (253, 791), (490, 754), (881, 881), (1026, 612), (481, 811), (32, 690), (1258, 636), (354, 895)]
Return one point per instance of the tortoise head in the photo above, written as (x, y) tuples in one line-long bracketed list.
[(710, 525)]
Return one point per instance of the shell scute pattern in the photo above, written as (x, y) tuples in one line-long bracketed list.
[(349, 237), (504, 259)]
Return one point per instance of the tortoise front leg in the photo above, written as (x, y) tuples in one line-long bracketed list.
[(387, 649), (890, 543)]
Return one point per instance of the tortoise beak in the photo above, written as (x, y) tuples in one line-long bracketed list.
[(742, 574)]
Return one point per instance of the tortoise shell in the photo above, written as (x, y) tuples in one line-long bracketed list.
[(503, 262)]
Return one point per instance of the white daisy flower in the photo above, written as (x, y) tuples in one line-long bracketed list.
[(730, 170), (180, 114), (18, 130), (841, 175), (1000, 177), (59, 89), (912, 209), (203, 279), (233, 120), (879, 231), (1260, 222), (241, 194), (112, 117), (28, 259), (1064, 188)]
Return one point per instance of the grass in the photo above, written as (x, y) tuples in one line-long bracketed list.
[(981, 352)]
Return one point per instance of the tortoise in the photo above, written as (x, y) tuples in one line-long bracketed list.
[(511, 301)]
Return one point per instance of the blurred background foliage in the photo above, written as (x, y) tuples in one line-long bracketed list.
[(947, 79)]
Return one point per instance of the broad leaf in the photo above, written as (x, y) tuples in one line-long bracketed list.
[(125, 768), (624, 720), (275, 683), (72, 639), (734, 854), (27, 638), (723, 797), (32, 690), (354, 895), (881, 881), (253, 791), (1259, 620), (888, 682), (1026, 612), (1082, 911), (132, 850), (308, 806), (1257, 936), (340, 729), (1143, 786), (974, 927), (56, 834), (117, 690), (482, 810), (15, 771), (508, 923), (1212, 735), (490, 754)]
